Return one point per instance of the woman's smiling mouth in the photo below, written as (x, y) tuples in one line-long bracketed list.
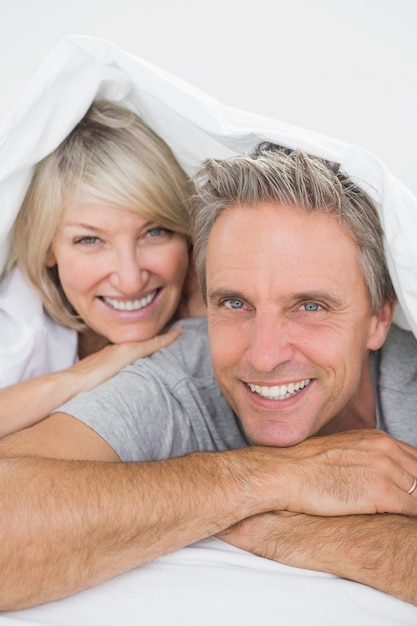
[(130, 305)]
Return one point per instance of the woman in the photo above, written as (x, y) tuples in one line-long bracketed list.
[(102, 237)]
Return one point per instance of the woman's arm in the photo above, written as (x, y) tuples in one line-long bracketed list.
[(28, 402)]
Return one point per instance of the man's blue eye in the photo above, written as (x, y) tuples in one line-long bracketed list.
[(311, 306), (234, 304)]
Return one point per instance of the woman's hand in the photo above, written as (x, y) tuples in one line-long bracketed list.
[(26, 403), (100, 366)]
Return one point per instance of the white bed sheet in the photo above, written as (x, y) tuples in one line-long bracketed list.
[(214, 584)]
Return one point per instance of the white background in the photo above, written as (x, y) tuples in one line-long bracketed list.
[(345, 68)]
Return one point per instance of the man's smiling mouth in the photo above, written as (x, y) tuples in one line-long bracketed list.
[(279, 392), (130, 305)]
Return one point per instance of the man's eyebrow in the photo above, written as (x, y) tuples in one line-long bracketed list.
[(321, 296), (221, 293)]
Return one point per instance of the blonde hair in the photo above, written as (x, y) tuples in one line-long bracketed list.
[(113, 157)]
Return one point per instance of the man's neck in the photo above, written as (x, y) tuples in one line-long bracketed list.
[(360, 411)]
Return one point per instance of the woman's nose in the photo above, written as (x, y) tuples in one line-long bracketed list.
[(129, 275)]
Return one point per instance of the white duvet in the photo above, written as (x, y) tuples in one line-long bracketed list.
[(208, 583), (196, 126), (214, 584)]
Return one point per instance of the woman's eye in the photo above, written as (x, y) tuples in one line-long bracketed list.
[(88, 239), (157, 231)]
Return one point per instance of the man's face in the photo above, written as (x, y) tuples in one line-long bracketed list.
[(290, 323)]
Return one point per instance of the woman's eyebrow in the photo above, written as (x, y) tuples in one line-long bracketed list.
[(81, 225), (99, 228)]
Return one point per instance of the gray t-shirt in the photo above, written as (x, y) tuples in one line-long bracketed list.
[(396, 385), (169, 404), (164, 406)]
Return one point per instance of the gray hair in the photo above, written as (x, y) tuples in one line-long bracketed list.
[(110, 157), (294, 178)]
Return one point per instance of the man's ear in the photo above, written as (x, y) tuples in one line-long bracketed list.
[(380, 324)]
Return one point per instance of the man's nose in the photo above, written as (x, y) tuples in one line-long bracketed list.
[(270, 342)]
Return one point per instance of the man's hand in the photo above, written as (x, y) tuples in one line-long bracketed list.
[(363, 471), (377, 550)]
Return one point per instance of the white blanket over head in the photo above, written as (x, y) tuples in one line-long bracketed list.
[(81, 69)]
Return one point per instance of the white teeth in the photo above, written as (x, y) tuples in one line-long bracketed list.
[(279, 392), (130, 305)]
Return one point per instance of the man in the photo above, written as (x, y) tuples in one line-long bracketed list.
[(298, 297), (276, 297)]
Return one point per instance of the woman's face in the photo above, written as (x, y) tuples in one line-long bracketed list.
[(122, 272)]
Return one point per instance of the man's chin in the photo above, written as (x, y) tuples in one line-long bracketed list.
[(278, 434)]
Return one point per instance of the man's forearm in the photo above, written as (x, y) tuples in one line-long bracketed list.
[(376, 550), (67, 525)]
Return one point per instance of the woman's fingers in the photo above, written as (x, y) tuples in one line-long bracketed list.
[(99, 367)]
